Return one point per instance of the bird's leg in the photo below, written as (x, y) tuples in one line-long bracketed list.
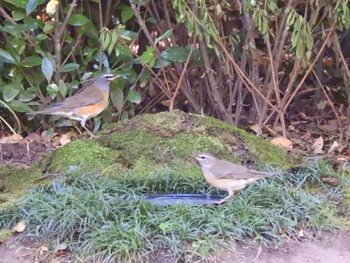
[(82, 123), (91, 134), (230, 195), (77, 128)]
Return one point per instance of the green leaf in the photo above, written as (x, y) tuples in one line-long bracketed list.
[(78, 20), (69, 67), (31, 23), (124, 116), (48, 28), (25, 96), (127, 34), (31, 6), (62, 88), (47, 67), (117, 97), (107, 115), (147, 56), (89, 30), (18, 3), (126, 13), (151, 19), (10, 91), (165, 35), (18, 44), (22, 3), (52, 90), (19, 106), (31, 61), (124, 50), (6, 57), (321, 105), (41, 37), (134, 96), (176, 54), (18, 15)]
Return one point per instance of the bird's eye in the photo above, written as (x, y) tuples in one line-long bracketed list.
[(203, 157)]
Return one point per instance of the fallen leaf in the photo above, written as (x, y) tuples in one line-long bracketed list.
[(278, 128), (61, 253), (306, 136), (330, 180), (334, 146), (43, 249), (19, 227), (64, 139), (301, 233), (318, 145), (166, 103), (271, 131), (14, 138), (256, 128), (61, 246), (284, 142), (61, 250), (327, 128), (303, 116)]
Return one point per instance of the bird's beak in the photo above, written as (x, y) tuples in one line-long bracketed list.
[(192, 155), (115, 77)]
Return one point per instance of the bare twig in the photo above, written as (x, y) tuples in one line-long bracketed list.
[(179, 84)]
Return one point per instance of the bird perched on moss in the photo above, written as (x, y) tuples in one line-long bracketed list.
[(82, 106), (226, 175)]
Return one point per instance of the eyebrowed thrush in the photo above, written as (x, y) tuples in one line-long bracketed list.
[(82, 106), (226, 175)]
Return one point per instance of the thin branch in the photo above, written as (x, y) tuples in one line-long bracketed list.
[(179, 84)]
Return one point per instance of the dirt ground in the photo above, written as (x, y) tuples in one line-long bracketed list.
[(325, 248)]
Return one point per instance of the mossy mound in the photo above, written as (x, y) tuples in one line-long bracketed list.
[(150, 142), (15, 181), (148, 145), (95, 202)]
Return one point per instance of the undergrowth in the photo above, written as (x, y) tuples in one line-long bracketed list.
[(104, 220)]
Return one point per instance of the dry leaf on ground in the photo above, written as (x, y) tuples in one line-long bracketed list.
[(334, 146), (14, 138), (19, 227), (318, 145), (284, 142)]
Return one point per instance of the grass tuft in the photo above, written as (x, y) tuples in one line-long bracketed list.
[(106, 220)]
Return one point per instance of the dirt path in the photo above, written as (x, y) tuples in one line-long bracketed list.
[(327, 248)]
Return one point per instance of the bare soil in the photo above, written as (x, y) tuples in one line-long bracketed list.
[(24, 153), (325, 248)]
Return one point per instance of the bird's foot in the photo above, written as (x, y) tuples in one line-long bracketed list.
[(222, 201)]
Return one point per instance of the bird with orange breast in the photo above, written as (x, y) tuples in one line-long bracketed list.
[(82, 106)]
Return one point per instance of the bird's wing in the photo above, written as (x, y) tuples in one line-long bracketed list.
[(227, 170), (85, 98)]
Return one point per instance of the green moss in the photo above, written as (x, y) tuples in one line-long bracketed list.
[(167, 121), (259, 150), (16, 180), (134, 143), (86, 155), (183, 144), (264, 151), (143, 167), (5, 234)]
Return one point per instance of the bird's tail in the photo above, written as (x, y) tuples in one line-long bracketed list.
[(263, 174), (38, 112)]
